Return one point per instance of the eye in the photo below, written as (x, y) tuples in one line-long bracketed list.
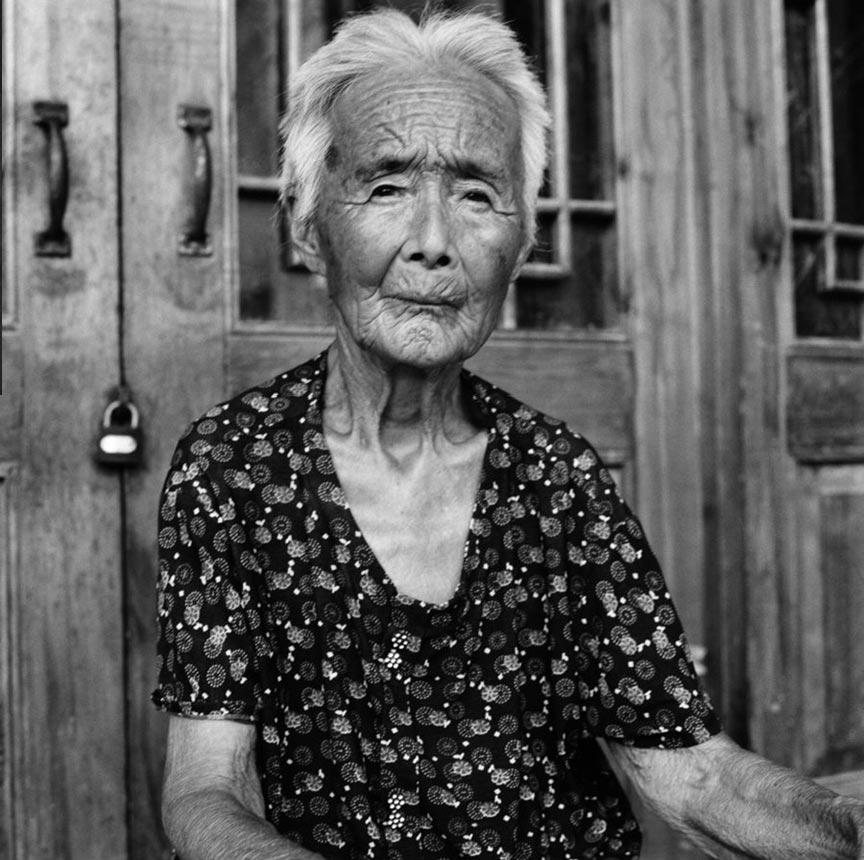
[(385, 191), (475, 195)]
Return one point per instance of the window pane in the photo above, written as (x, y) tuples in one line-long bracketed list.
[(846, 29), (588, 297), (589, 100), (802, 111), (269, 289), (850, 260), (527, 20), (259, 84), (819, 313)]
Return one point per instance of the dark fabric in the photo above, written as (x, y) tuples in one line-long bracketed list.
[(397, 729)]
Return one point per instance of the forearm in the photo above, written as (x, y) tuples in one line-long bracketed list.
[(212, 805), (760, 810), (214, 825), (734, 804)]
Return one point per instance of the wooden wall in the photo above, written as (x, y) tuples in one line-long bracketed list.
[(62, 709)]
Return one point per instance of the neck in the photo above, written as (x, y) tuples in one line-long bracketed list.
[(392, 406)]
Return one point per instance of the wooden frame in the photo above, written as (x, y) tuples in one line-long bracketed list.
[(827, 226), (12, 815), (559, 203), (9, 286)]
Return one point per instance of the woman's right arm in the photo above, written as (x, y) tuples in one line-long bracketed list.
[(212, 805)]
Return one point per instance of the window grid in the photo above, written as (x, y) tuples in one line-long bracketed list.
[(827, 227), (559, 203), (569, 222)]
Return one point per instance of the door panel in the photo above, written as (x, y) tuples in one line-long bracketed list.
[(61, 730), (826, 626), (174, 320)]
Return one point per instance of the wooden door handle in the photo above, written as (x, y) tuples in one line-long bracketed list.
[(194, 241), (52, 118)]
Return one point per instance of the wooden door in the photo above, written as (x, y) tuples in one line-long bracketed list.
[(814, 672), (62, 703), (783, 269)]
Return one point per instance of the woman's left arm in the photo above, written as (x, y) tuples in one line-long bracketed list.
[(734, 804)]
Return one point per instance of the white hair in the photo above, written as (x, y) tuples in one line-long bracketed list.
[(370, 43)]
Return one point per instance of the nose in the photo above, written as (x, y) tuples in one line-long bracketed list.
[(429, 240)]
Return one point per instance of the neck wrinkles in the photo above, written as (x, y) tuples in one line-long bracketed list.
[(383, 406)]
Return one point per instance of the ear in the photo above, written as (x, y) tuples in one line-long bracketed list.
[(306, 245)]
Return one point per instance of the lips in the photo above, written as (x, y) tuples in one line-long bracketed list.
[(426, 301), (445, 294)]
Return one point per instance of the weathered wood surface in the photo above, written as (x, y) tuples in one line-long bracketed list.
[(827, 617), (843, 574), (10, 680), (741, 234), (825, 407), (777, 530), (65, 636), (12, 399), (657, 224), (662, 275), (175, 320)]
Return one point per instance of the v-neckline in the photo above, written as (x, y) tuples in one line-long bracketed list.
[(358, 538)]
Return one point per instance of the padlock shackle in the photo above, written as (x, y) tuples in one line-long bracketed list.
[(121, 404)]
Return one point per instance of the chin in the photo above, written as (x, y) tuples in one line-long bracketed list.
[(423, 349)]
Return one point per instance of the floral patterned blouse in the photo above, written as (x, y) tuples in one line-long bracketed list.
[(392, 728)]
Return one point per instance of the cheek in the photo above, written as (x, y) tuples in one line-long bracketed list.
[(490, 257), (359, 250)]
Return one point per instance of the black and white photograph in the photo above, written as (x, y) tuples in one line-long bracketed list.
[(432, 429)]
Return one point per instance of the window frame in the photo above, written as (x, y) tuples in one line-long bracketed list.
[(565, 208), (827, 228)]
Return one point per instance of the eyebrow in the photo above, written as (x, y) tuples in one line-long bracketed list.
[(382, 166), (466, 168), (469, 168)]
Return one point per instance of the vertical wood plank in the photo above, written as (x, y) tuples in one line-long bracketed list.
[(774, 642), (175, 320), (10, 682), (660, 273), (809, 614), (657, 188), (843, 572), (715, 147), (68, 711)]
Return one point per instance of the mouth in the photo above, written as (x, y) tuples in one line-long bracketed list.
[(426, 303), (438, 295)]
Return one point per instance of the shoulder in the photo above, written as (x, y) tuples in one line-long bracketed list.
[(529, 429), (249, 426)]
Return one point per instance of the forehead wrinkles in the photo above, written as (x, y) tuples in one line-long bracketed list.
[(449, 113)]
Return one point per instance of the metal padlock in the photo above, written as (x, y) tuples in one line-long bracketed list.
[(120, 435)]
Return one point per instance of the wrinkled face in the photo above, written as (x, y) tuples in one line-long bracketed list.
[(418, 229)]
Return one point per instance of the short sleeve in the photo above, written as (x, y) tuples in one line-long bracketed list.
[(637, 681), (210, 637)]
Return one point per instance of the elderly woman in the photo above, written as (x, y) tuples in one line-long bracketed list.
[(406, 605)]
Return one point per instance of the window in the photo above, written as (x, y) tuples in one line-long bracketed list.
[(571, 281), (825, 91), (272, 38)]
